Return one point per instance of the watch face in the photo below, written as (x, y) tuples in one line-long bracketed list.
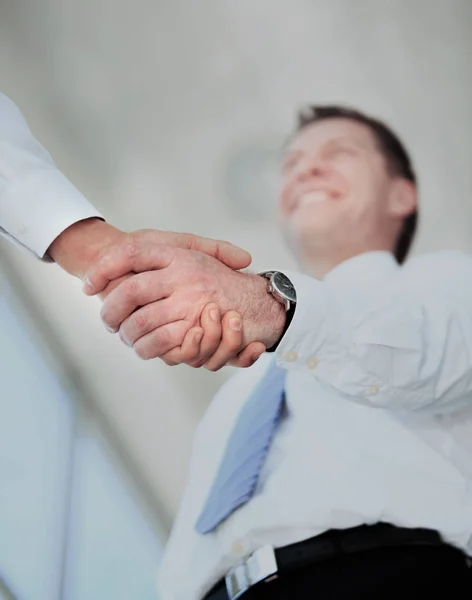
[(284, 286)]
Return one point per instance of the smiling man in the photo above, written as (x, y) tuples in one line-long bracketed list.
[(348, 188), (339, 466)]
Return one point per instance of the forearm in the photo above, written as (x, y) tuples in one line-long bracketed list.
[(264, 316), (80, 245)]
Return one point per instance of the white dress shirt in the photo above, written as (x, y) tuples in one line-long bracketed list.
[(378, 420), (37, 203)]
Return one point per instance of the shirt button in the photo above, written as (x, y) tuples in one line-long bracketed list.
[(291, 356), (312, 362), (237, 548), (372, 390)]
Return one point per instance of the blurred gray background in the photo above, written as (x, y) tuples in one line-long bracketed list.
[(171, 115)]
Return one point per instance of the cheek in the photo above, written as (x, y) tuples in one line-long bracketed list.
[(283, 201), (352, 174), (368, 203), (359, 180)]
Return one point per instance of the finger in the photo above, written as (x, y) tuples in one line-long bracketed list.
[(130, 256), (232, 256), (229, 254), (248, 356), (150, 250), (231, 342), (196, 356), (139, 290), (188, 351), (147, 318), (161, 340), (112, 285), (210, 321)]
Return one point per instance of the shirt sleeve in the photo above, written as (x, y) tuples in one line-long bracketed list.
[(37, 202), (405, 346)]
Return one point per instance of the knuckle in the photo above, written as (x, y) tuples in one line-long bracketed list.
[(160, 339), (131, 288), (103, 263), (218, 249), (123, 337), (196, 363), (141, 321), (192, 242), (180, 255), (142, 352), (106, 318), (170, 362), (132, 247), (104, 314)]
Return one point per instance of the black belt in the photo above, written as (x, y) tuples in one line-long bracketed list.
[(341, 541)]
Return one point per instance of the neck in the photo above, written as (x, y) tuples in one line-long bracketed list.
[(320, 266)]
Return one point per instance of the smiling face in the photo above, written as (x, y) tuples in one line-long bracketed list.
[(338, 197)]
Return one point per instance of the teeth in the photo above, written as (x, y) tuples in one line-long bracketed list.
[(312, 198)]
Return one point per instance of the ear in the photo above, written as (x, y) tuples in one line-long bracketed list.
[(403, 198)]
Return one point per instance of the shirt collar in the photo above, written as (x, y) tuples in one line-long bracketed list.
[(367, 267)]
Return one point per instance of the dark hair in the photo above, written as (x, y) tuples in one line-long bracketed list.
[(397, 158)]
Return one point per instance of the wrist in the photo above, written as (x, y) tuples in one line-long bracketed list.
[(80, 245), (266, 314)]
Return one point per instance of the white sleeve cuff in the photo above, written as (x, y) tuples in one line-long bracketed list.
[(306, 332), (37, 207)]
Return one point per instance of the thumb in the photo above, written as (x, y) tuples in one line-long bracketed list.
[(229, 254)]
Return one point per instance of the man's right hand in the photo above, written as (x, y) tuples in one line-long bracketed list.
[(85, 243)]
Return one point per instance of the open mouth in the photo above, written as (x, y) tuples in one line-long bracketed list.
[(311, 197)]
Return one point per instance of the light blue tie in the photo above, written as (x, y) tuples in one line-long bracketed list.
[(246, 451)]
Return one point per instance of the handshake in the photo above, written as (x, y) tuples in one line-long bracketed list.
[(173, 296)]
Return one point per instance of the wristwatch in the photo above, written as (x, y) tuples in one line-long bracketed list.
[(281, 288), (283, 291)]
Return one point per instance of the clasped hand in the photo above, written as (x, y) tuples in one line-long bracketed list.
[(184, 305)]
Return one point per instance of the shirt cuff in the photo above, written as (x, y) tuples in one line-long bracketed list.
[(306, 332), (36, 208)]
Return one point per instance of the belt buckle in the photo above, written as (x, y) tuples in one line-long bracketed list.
[(258, 566)]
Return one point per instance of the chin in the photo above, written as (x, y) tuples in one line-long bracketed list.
[(312, 223)]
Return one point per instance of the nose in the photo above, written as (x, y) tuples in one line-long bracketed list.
[(309, 168)]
